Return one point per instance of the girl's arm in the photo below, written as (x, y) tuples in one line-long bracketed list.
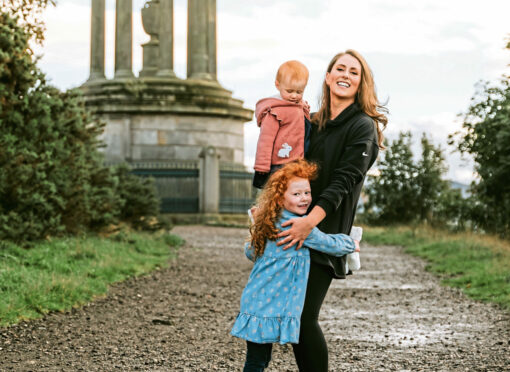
[(332, 244), (249, 252)]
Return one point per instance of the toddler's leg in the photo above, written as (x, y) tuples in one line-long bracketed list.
[(258, 356)]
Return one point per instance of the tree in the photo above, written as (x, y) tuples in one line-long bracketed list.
[(52, 177), (28, 13), (406, 191), (431, 168), (391, 195), (486, 136)]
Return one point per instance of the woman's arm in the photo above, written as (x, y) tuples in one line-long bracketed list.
[(350, 169)]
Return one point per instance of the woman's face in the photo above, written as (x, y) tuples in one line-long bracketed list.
[(298, 196), (344, 78)]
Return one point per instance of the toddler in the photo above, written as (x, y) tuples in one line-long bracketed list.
[(284, 122), (273, 299)]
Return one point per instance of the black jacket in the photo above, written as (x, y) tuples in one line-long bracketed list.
[(345, 149)]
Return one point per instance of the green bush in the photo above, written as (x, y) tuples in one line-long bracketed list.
[(406, 190), (139, 198), (52, 178)]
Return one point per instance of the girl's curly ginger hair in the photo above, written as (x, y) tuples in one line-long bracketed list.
[(270, 202)]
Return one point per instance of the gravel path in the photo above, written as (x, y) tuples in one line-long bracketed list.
[(390, 316)]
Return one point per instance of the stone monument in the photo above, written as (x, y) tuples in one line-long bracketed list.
[(158, 122)]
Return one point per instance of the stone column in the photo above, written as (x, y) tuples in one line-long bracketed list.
[(209, 181), (97, 32), (198, 30), (211, 37), (123, 39), (166, 39)]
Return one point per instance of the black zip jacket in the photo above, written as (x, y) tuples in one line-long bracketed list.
[(344, 149)]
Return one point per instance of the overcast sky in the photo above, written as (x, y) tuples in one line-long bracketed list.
[(426, 55)]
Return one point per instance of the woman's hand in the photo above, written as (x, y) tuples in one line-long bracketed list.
[(301, 228)]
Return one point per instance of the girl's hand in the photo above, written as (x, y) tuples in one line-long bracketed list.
[(301, 228), (356, 244)]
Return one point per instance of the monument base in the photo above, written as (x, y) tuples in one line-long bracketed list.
[(154, 118)]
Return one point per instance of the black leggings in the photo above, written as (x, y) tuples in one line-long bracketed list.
[(312, 352), (258, 356)]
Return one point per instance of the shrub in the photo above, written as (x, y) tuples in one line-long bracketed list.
[(52, 177)]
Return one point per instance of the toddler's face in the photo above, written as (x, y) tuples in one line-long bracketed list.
[(298, 196), (291, 91)]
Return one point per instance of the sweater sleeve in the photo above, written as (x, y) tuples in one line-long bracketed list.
[(332, 244), (269, 127), (352, 166)]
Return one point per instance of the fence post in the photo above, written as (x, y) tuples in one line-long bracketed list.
[(209, 181)]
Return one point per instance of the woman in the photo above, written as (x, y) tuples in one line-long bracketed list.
[(345, 140)]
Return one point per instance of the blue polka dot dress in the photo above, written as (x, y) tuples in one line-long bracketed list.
[(272, 301)]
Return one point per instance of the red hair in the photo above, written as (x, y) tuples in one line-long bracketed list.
[(292, 71), (270, 201)]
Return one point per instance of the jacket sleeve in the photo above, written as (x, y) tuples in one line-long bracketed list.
[(249, 252), (332, 244), (269, 127), (350, 169)]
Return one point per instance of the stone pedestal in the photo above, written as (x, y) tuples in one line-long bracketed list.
[(151, 22), (159, 119)]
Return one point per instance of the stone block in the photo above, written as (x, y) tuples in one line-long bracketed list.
[(157, 122), (117, 139), (144, 137)]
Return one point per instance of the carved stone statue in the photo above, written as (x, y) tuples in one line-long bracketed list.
[(151, 19)]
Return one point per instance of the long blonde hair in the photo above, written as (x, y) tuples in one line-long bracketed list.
[(366, 97), (270, 202)]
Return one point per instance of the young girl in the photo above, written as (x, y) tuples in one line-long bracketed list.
[(272, 301)]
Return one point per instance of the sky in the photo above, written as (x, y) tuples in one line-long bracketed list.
[(426, 56)]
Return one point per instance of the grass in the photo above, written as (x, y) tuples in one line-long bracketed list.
[(479, 265), (60, 274)]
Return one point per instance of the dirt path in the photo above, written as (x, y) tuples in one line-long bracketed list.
[(390, 316)]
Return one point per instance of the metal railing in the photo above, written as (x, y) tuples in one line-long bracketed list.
[(178, 185)]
